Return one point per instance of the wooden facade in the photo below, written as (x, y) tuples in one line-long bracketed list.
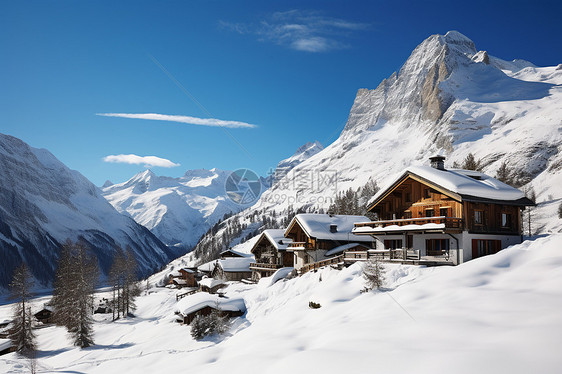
[(414, 202)]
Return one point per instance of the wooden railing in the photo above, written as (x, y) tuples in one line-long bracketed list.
[(182, 295), (319, 264), (450, 222), (260, 266), (298, 245), (382, 254)]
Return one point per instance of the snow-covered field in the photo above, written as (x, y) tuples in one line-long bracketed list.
[(497, 314)]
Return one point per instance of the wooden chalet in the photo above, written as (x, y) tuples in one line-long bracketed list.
[(184, 277), (204, 304), (456, 215), (228, 269), (231, 253), (271, 253), (45, 315), (315, 236)]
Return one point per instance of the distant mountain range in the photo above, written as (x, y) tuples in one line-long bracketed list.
[(43, 203)]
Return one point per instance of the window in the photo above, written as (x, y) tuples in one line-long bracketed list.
[(506, 220), (479, 217), (393, 244), (430, 213), (485, 247), (444, 212), (407, 215), (436, 247)]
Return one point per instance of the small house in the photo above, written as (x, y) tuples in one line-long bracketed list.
[(271, 253), (450, 214), (313, 236), (229, 269), (45, 315), (204, 304), (211, 285), (184, 277)]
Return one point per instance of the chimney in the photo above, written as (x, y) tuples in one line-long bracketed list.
[(333, 228), (437, 162)]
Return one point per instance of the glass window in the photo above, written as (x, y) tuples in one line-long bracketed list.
[(478, 217), (506, 220), (430, 213), (444, 212)]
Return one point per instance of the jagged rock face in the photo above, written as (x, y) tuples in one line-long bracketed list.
[(43, 203), (447, 98)]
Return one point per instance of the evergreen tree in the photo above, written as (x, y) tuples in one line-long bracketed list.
[(471, 163), (504, 174), (373, 272), (73, 296), (21, 333), (560, 210)]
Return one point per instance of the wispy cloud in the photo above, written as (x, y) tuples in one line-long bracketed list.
[(307, 31), (147, 161), (182, 119)]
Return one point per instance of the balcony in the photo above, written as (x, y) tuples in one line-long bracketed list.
[(299, 245), (264, 266), (409, 224)]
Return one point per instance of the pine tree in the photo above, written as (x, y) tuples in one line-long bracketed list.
[(470, 163), (73, 296), (373, 272), (21, 333), (504, 174)]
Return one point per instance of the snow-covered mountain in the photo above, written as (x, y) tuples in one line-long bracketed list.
[(302, 154), (447, 98), (43, 203), (177, 210)]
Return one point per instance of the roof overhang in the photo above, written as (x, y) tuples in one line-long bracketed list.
[(409, 174)]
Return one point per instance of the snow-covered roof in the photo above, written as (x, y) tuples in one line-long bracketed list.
[(200, 300), (318, 226), (5, 344), (466, 183), (276, 236), (188, 270), (230, 264), (232, 251), (180, 281), (210, 282), (396, 228), (341, 248)]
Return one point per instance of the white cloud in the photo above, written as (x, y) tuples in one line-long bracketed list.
[(307, 31), (182, 119), (147, 161)]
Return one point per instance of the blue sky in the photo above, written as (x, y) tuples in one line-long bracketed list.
[(280, 73)]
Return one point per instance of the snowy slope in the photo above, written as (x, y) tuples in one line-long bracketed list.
[(447, 98), (43, 203), (496, 314), (177, 210)]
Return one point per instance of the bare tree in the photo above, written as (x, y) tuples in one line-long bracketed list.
[(21, 333)]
